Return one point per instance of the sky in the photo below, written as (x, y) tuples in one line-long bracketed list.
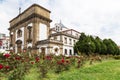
[(93, 17)]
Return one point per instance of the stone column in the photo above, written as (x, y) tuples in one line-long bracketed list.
[(48, 29), (25, 36), (61, 50), (61, 39), (14, 40), (35, 32), (35, 35)]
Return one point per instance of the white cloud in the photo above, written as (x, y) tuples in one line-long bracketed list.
[(96, 17)]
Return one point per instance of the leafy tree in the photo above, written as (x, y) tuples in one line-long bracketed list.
[(88, 44), (97, 43), (103, 48), (116, 48), (79, 44), (85, 44), (82, 37), (112, 47)]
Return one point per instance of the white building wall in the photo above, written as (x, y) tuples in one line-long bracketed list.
[(30, 24), (49, 50), (42, 31), (69, 32), (63, 29), (53, 32), (51, 37), (68, 50), (58, 38), (68, 46), (56, 53), (75, 33)]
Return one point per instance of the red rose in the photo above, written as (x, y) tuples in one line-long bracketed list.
[(17, 58), (79, 61), (7, 55), (7, 67), (32, 62), (48, 57), (62, 60), (1, 66), (59, 62), (67, 61), (37, 59)]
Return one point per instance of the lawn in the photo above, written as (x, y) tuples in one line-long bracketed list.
[(107, 70)]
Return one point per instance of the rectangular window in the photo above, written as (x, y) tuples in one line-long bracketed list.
[(74, 41), (70, 52), (65, 51), (70, 41), (65, 39)]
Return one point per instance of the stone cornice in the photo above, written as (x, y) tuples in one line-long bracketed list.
[(48, 42), (60, 33), (34, 15), (29, 8)]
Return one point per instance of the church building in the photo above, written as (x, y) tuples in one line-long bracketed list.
[(31, 31)]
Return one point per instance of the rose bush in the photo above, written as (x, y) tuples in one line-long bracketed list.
[(17, 65)]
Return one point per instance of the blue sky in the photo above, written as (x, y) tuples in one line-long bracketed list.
[(94, 17)]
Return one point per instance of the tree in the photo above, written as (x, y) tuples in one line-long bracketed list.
[(78, 47), (103, 48), (88, 44), (85, 45), (98, 45), (112, 47)]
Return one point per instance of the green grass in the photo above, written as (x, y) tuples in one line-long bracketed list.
[(109, 70)]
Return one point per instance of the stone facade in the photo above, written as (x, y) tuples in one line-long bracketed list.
[(30, 18)]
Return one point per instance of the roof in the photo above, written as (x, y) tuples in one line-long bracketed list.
[(71, 30), (61, 25)]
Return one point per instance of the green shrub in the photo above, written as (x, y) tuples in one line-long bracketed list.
[(117, 57)]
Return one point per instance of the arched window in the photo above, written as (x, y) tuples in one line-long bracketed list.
[(19, 33)]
